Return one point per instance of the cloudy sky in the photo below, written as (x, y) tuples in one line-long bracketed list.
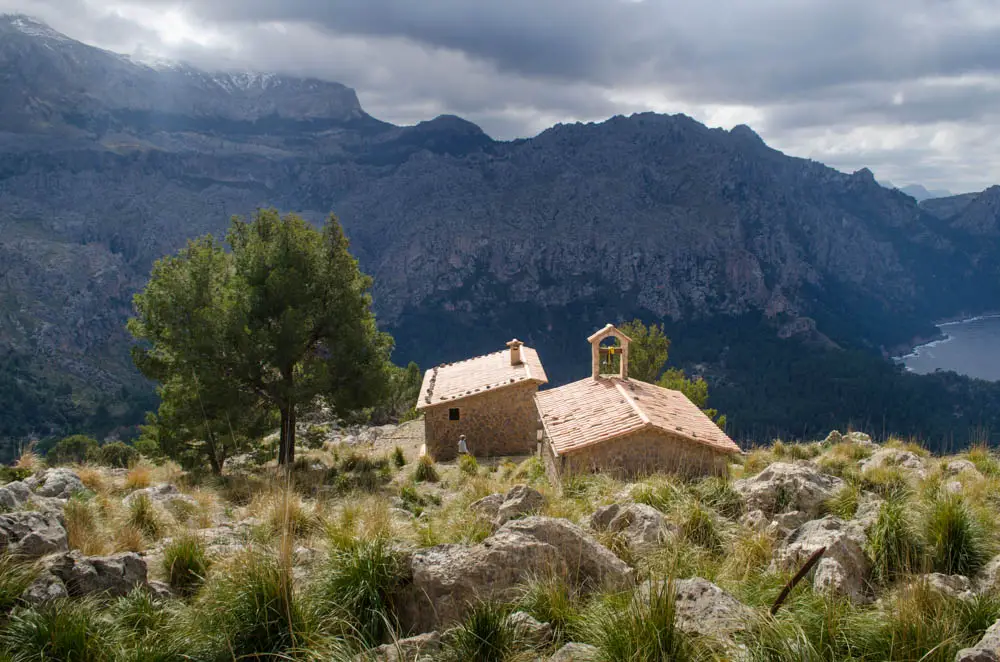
[(909, 88)]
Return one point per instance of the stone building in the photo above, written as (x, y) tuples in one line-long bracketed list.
[(489, 399), (610, 423)]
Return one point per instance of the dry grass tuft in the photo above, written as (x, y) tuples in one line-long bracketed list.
[(139, 477), (129, 538)]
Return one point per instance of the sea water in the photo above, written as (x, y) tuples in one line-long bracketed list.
[(969, 347)]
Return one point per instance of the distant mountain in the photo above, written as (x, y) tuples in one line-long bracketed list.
[(919, 193), (107, 164)]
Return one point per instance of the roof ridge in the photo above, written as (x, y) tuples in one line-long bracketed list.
[(632, 403)]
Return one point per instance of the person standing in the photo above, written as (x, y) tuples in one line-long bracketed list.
[(463, 448)]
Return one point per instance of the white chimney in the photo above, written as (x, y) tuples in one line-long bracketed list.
[(515, 351)]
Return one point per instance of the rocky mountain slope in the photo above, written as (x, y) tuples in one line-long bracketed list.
[(107, 164)]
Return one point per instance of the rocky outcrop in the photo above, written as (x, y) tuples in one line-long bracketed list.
[(953, 586), (895, 457), (529, 629), (488, 507), (976, 655), (575, 652), (706, 609), (956, 467), (644, 527), (843, 568), (988, 578), (785, 487), (14, 496), (986, 649), (164, 493), (113, 575), (520, 500), (446, 579), (32, 534), (60, 483), (421, 648)]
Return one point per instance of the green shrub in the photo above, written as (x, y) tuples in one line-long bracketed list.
[(315, 436), (60, 631), (716, 492), (637, 628), (957, 543), (15, 577), (893, 544), (486, 635), (143, 516), (699, 526), (186, 562), (12, 474), (148, 448), (467, 464), (531, 469), (251, 611), (77, 449), (844, 504), (425, 471), (398, 458), (555, 601), (117, 455), (357, 585)]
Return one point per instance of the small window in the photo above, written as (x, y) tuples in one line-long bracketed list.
[(453, 414)]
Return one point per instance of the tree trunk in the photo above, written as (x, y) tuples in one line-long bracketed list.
[(290, 455), (283, 439)]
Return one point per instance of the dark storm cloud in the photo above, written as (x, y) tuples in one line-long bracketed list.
[(904, 86)]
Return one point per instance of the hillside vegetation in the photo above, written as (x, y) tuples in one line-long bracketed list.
[(338, 556)]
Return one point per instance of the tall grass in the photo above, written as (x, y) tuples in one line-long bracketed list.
[(425, 470), (58, 631), (143, 516), (16, 575), (958, 544), (637, 628), (698, 525), (468, 465), (893, 543), (553, 600), (82, 529), (357, 585), (186, 563), (486, 635), (844, 504)]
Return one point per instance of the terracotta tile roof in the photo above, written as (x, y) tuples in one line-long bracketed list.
[(452, 381), (591, 411)]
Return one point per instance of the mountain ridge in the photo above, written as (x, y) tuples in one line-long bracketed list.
[(470, 240)]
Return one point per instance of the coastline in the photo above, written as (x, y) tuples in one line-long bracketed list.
[(919, 343)]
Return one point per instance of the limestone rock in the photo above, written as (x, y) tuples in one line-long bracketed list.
[(45, 587), (989, 644), (530, 630), (859, 438), (32, 534), (785, 487), (161, 590), (955, 467), (756, 519), (955, 586), (574, 652), (895, 457), (519, 500), (114, 575), (488, 506), (988, 578), (14, 496), (976, 655), (644, 527), (160, 494), (59, 483), (844, 567), (868, 510), (706, 609), (446, 579), (413, 649)]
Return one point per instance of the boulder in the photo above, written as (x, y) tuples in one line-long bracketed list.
[(704, 608), (859, 438), (988, 578), (45, 587), (161, 590), (520, 500), (785, 487), (955, 467), (14, 496), (446, 579), (756, 519), (32, 534), (413, 649), (574, 652), (488, 506), (869, 506), (988, 645), (843, 569), (113, 575), (954, 586), (59, 483), (160, 494), (644, 527), (895, 457), (530, 630)]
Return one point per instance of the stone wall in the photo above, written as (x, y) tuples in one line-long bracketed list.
[(645, 452), (500, 422)]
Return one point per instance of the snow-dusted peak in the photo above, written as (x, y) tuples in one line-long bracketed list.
[(32, 27)]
